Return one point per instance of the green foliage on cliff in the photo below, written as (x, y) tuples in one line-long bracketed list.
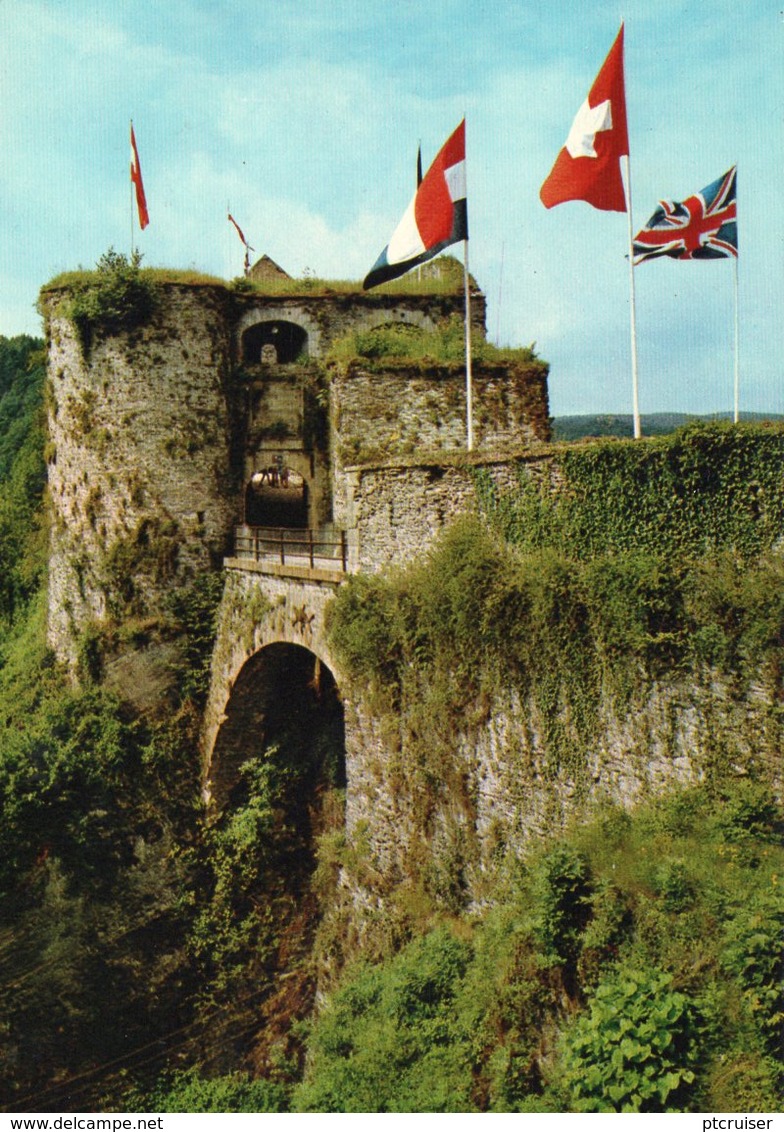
[(187, 1091), (117, 295), (22, 473), (141, 947), (596, 983), (476, 616)]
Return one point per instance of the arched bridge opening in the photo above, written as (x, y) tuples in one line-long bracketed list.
[(274, 342), (277, 782), (283, 732)]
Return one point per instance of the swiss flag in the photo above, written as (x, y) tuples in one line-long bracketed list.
[(136, 177), (588, 167)]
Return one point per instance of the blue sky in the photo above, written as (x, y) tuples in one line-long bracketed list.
[(304, 117)]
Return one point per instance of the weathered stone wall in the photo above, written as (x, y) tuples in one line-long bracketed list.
[(393, 512), (154, 432), (326, 316), (402, 408), (498, 785), (259, 609), (141, 488)]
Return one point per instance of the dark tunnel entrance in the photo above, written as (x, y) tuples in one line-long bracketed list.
[(269, 502), (284, 712), (279, 772)]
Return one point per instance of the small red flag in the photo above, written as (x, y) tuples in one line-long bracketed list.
[(248, 248), (588, 167), (136, 177)]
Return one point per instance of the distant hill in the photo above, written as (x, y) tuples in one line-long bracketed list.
[(654, 424)]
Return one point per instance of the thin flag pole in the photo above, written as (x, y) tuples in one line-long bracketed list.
[(498, 312), (418, 183), (131, 187), (632, 307), (736, 416), (469, 377)]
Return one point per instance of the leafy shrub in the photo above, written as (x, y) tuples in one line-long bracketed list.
[(753, 954), (390, 1040), (194, 611), (609, 927), (635, 1049), (236, 1092), (744, 1082), (673, 885), (562, 908), (748, 811), (118, 296)]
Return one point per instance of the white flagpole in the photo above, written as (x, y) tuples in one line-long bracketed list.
[(736, 416), (469, 380), (131, 184), (632, 310)]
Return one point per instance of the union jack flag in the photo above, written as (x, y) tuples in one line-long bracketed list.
[(702, 227)]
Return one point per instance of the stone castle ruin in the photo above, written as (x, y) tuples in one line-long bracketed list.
[(232, 432), (194, 436), (226, 433)]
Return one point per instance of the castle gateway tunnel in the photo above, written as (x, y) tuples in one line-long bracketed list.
[(282, 744)]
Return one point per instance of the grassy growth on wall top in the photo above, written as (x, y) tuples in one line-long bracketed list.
[(447, 280), (404, 342), (117, 296)]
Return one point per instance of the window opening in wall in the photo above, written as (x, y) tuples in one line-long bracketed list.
[(275, 342)]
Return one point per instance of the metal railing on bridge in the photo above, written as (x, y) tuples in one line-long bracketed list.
[(293, 546)]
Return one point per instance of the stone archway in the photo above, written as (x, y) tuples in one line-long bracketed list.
[(279, 769)]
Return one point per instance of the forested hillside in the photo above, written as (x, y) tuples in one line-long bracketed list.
[(633, 963), (653, 424)]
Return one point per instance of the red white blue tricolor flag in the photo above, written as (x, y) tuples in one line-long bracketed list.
[(436, 217), (704, 226)]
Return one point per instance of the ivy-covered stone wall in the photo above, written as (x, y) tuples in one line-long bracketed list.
[(599, 623)]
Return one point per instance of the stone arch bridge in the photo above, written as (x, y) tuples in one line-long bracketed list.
[(270, 644)]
